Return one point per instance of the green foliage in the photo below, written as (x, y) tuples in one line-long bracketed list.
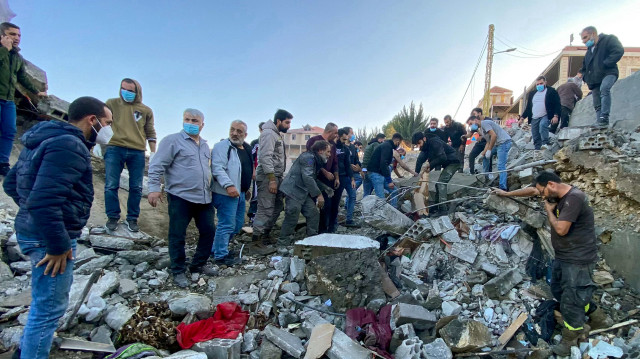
[(364, 136), (407, 122)]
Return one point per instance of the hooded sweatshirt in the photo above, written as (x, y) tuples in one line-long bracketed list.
[(132, 122)]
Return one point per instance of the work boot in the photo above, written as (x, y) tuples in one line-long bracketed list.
[(228, 261), (351, 223), (599, 319), (112, 224), (569, 339), (181, 280), (205, 269)]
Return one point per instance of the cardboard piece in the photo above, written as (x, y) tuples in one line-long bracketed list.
[(320, 341)]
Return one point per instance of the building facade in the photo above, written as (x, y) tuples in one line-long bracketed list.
[(296, 140)]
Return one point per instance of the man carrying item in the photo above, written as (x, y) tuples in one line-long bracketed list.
[(12, 71), (574, 241), (499, 142), (368, 152), (569, 92), (272, 163), (52, 183), (328, 174), (543, 108), (439, 154), (600, 69), (232, 170), (378, 168), (302, 188), (132, 128), (184, 159), (253, 204)]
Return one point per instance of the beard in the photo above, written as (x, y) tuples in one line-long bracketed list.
[(237, 142), (283, 129)]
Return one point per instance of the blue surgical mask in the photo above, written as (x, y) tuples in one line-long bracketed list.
[(540, 88), (127, 95), (191, 129), (474, 127), (352, 138), (402, 157), (590, 43), (433, 129)]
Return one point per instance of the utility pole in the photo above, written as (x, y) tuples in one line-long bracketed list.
[(486, 102)]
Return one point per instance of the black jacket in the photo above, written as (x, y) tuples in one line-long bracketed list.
[(381, 158), (437, 133), (355, 159), (344, 160), (602, 61), (437, 153), (551, 102), (455, 132), (52, 183)]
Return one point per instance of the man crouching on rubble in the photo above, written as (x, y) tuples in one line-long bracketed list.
[(574, 241), (53, 185)]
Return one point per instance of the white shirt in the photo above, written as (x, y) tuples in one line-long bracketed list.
[(538, 107)]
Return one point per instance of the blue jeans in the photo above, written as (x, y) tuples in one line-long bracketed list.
[(114, 160), (540, 131), (230, 221), (502, 151), (351, 196), (380, 184), (7, 129), (49, 300), (367, 186), (602, 98)]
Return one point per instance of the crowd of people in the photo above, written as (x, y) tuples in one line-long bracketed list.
[(53, 185)]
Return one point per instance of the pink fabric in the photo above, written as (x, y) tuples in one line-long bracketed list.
[(374, 331)]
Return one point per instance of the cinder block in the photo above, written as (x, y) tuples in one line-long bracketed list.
[(220, 348)]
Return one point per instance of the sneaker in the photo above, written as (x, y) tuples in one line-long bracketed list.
[(181, 280), (544, 147), (228, 261), (602, 123), (205, 269), (351, 224), (112, 224), (4, 169), (132, 224)]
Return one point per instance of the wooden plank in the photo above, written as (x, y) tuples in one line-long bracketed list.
[(511, 330), (615, 326)]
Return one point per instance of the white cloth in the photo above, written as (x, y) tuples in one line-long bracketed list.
[(538, 107)]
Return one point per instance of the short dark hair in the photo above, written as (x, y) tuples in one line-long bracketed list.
[(6, 26), (434, 119), (357, 143), (282, 115), (396, 136), (330, 126), (86, 106), (418, 136), (590, 29), (541, 78), (260, 125), (381, 136), (447, 117), (319, 146), (129, 81), (545, 177), (472, 118), (478, 110), (348, 129), (342, 132)]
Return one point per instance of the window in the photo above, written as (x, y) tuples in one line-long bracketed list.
[(293, 137), (633, 70), (307, 137)]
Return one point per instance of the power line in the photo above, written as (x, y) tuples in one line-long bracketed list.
[(526, 53), (484, 48), (533, 57), (513, 44)]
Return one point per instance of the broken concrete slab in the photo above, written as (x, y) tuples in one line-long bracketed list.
[(437, 349), (268, 350), (419, 317), (441, 225), (95, 264), (451, 236), (331, 243), (420, 258), (451, 308), (381, 215), (110, 242), (296, 268), (284, 340), (400, 334), (465, 335), (219, 348), (118, 315), (137, 257), (420, 230), (463, 250), (191, 303), (409, 349), (187, 354), (342, 346), (501, 285), (349, 279)]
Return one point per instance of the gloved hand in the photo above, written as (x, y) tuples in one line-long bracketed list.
[(487, 155)]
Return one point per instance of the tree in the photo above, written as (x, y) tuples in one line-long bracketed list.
[(365, 136), (407, 122)]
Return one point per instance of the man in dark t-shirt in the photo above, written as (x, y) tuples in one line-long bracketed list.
[(574, 241)]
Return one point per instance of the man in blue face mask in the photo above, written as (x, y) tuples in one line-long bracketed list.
[(543, 108), (434, 131), (600, 69)]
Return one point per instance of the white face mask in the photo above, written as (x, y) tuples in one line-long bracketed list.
[(104, 135)]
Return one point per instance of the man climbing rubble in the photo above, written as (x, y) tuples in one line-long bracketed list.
[(499, 143), (302, 188), (378, 168), (543, 109), (574, 242), (52, 183), (183, 159), (438, 154), (368, 152)]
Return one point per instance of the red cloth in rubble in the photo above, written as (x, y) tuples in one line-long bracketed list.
[(374, 330), (227, 322)]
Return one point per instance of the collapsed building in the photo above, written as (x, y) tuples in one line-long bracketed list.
[(472, 283)]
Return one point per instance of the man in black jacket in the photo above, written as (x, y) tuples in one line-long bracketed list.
[(600, 69), (439, 154), (434, 131), (543, 108), (378, 168), (52, 183), (356, 167), (455, 131)]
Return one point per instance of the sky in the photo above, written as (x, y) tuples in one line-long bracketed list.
[(355, 63)]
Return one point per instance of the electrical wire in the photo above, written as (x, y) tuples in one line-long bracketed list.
[(510, 43), (484, 48)]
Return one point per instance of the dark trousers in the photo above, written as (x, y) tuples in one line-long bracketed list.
[(293, 208), (573, 287), (475, 152), (564, 120), (180, 214), (445, 176)]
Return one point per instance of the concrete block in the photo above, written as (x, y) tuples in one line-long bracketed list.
[(463, 250), (187, 354), (420, 230), (284, 340), (420, 259), (401, 333), (381, 215), (412, 282), (441, 225), (409, 349), (54, 107), (331, 243), (451, 236), (296, 268), (595, 142), (109, 242), (342, 346), (220, 348), (451, 308), (490, 268), (418, 316), (437, 349), (465, 335), (501, 285)]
